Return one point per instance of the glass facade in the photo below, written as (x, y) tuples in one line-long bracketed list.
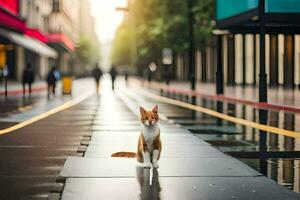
[(230, 8), (283, 6)]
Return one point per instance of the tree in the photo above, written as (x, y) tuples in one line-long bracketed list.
[(160, 24), (86, 52)]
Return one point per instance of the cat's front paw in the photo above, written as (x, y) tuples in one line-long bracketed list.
[(155, 165), (147, 165)]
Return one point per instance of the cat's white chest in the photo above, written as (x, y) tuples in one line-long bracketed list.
[(149, 133)]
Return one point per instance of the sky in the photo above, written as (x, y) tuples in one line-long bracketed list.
[(106, 17)]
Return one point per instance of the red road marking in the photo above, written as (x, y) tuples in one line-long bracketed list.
[(17, 92), (227, 99)]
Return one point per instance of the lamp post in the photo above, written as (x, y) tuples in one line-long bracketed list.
[(263, 97), (191, 48)]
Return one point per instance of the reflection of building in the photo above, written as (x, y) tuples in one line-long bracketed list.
[(22, 36)]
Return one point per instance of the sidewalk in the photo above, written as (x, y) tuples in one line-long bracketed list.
[(16, 88), (17, 109), (189, 168)]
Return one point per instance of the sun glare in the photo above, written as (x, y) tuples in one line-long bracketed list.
[(106, 17)]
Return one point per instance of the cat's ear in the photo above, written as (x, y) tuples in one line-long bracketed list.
[(142, 110), (155, 109)]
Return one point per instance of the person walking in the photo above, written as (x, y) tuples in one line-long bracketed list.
[(51, 81), (97, 73), (28, 78), (113, 75)]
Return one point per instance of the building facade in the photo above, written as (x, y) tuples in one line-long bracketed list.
[(36, 15), (63, 31), (22, 37), (42, 33)]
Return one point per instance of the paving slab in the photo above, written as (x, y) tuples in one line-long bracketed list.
[(173, 188), (190, 168), (169, 150), (169, 167)]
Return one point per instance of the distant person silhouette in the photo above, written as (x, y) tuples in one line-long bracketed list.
[(52, 78), (28, 78), (113, 75), (97, 73), (126, 78)]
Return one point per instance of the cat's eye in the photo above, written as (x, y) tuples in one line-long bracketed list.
[(146, 117)]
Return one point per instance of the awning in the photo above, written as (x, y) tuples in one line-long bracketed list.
[(12, 21), (29, 43), (62, 39)]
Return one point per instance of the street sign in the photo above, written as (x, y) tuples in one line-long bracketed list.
[(167, 56), (152, 67)]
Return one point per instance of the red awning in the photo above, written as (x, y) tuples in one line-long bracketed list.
[(11, 21), (10, 5), (61, 38), (35, 33)]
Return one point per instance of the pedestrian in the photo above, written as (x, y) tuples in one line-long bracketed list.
[(126, 78), (28, 78), (52, 78), (113, 75), (97, 73)]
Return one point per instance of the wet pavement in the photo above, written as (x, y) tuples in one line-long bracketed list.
[(32, 157), (277, 96), (190, 168), (17, 109), (68, 154), (243, 142)]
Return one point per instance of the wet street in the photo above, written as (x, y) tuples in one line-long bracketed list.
[(282, 165), (149, 100), (34, 157)]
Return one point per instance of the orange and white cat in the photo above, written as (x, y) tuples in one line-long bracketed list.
[(149, 143)]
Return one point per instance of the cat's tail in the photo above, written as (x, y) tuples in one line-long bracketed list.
[(124, 154)]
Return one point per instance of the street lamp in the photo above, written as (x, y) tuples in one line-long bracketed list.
[(123, 9), (263, 97)]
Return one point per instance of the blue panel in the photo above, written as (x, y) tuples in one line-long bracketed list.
[(229, 8), (283, 6)]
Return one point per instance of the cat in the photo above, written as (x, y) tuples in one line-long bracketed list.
[(149, 143)]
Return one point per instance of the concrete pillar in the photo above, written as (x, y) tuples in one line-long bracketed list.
[(244, 59), (231, 60), (273, 77), (289, 56), (254, 59)]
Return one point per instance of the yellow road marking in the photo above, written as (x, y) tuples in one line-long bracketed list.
[(236, 120), (48, 113)]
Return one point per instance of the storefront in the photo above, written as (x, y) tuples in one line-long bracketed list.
[(239, 21), (21, 44)]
